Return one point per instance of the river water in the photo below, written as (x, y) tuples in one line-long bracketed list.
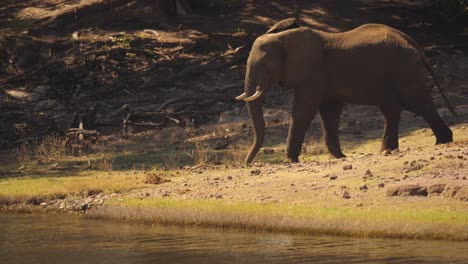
[(72, 239)]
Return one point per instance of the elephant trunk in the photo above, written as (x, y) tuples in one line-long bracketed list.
[(256, 114)]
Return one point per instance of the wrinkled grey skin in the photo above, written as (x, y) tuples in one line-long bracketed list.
[(370, 65)]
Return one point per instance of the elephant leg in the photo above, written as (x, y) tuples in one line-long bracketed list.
[(392, 115), (302, 114), (428, 111), (330, 113)]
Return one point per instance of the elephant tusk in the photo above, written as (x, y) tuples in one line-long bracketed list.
[(241, 97), (256, 95)]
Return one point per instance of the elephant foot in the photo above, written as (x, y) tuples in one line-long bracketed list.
[(338, 155), (444, 138), (293, 159), (336, 152), (388, 148)]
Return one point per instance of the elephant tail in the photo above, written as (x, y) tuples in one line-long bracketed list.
[(431, 72)]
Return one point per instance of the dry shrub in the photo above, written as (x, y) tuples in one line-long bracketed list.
[(171, 135), (24, 152), (105, 164), (171, 161), (51, 148), (200, 154), (313, 147), (236, 157)]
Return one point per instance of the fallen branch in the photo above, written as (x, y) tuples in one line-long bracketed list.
[(79, 131)]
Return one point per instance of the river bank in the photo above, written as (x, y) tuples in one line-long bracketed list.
[(419, 192)]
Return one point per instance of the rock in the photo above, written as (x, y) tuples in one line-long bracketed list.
[(222, 144), (436, 189), (45, 105), (333, 177), (347, 167), (147, 194), (43, 204), (34, 97), (368, 173), (395, 151), (407, 190), (346, 195), (34, 201), (268, 151), (41, 89), (84, 207), (218, 196), (459, 192), (386, 153), (229, 178), (363, 188), (17, 94), (381, 185), (255, 172), (155, 179), (462, 193)]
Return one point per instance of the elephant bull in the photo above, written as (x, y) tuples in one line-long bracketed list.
[(371, 65)]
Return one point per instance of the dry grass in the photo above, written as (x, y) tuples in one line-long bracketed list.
[(51, 148), (200, 154), (48, 187), (171, 161), (402, 223)]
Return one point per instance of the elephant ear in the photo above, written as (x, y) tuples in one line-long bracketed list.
[(304, 58), (283, 25)]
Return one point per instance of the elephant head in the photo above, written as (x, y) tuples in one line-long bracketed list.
[(284, 56), (264, 67)]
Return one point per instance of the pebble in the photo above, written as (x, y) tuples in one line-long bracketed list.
[(363, 187), (386, 153), (347, 167), (255, 172), (381, 185), (346, 195), (395, 151), (268, 151), (333, 177)]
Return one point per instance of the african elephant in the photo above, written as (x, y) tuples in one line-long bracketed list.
[(371, 65)]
